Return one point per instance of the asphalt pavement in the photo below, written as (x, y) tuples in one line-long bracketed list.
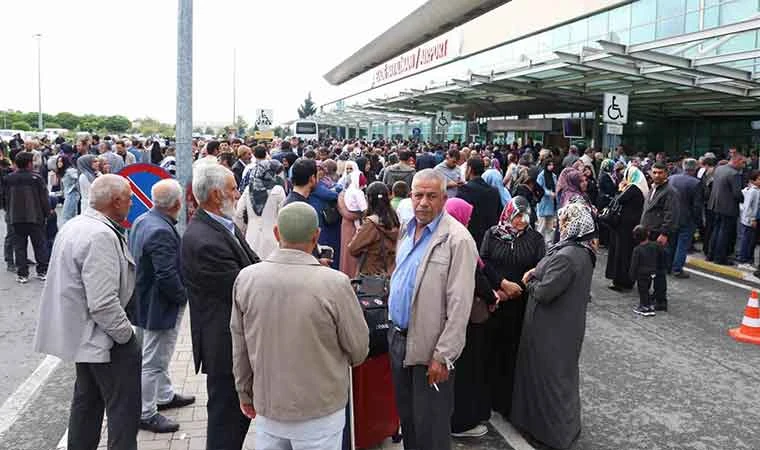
[(674, 381)]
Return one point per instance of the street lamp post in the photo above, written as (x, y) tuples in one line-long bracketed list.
[(38, 36), (184, 126)]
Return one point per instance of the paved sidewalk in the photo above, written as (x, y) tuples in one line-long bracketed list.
[(191, 419)]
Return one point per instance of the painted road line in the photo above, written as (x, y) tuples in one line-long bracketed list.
[(722, 280), (509, 433), (13, 406), (63, 444)]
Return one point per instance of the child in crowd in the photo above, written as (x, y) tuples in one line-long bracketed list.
[(748, 213), (400, 192), (648, 267)]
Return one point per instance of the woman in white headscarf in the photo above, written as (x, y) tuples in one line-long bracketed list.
[(259, 205), (351, 204), (630, 199), (546, 403)]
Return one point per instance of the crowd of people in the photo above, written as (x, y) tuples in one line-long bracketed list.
[(480, 250)]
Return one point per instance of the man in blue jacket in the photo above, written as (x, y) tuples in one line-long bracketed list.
[(160, 303)]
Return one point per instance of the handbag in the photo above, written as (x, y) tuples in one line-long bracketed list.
[(330, 213), (372, 292), (611, 214)]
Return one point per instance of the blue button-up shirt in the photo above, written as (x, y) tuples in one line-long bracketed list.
[(226, 223), (408, 259)]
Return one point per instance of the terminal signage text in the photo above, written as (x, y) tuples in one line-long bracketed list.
[(423, 57)]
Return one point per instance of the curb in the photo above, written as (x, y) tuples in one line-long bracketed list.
[(726, 271)]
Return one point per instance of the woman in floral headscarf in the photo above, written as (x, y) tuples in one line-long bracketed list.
[(571, 185), (509, 249), (546, 404), (258, 207), (633, 190)]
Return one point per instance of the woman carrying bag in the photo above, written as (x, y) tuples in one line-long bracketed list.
[(375, 240)]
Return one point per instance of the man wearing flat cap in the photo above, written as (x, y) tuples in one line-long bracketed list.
[(296, 329)]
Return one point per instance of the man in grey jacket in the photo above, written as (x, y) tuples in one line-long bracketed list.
[(431, 294), (83, 319)]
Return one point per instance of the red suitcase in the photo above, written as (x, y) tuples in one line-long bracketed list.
[(374, 404)]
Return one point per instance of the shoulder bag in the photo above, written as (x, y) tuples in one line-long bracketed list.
[(372, 292)]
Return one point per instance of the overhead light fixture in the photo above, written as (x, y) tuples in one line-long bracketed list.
[(639, 123)]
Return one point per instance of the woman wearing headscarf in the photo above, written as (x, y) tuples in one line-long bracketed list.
[(69, 176), (375, 241), (592, 192), (351, 205), (324, 199), (527, 188), (607, 191), (633, 190), (546, 403), (472, 403), (89, 169), (571, 187), (493, 177), (509, 249), (258, 207), (547, 207)]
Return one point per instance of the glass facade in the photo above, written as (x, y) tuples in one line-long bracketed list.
[(640, 21), (636, 22)]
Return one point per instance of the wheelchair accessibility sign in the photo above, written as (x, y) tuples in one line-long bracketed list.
[(615, 108)]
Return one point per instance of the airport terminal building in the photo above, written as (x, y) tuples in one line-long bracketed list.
[(656, 75)]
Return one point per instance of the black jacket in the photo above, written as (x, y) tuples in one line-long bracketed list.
[(647, 259), (159, 290), (26, 197), (425, 161), (237, 170), (486, 203), (661, 210), (211, 260)]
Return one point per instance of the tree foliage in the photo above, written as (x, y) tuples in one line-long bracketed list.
[(73, 122), (20, 125), (308, 108)]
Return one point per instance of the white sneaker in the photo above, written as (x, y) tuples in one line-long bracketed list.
[(478, 431), (746, 266)]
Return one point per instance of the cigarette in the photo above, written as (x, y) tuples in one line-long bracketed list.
[(436, 387)]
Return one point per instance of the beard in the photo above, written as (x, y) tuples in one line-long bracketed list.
[(228, 207)]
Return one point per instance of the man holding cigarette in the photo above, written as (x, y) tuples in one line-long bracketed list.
[(431, 294)]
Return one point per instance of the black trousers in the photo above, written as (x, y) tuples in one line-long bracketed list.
[(227, 426), (113, 387), (36, 232), (8, 245), (659, 295), (722, 240), (425, 412), (471, 395)]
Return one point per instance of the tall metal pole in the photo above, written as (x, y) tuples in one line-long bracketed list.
[(184, 127), (38, 36), (234, 89)]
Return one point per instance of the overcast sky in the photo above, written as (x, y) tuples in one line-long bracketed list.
[(119, 56)]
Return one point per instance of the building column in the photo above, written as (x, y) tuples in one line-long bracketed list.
[(387, 131), (406, 129)]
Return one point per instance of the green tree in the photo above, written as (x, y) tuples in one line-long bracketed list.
[(67, 120), (279, 131), (117, 124), (209, 130), (240, 126), (30, 118), (21, 125), (53, 125), (308, 108)]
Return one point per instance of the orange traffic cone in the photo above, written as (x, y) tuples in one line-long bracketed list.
[(749, 331)]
